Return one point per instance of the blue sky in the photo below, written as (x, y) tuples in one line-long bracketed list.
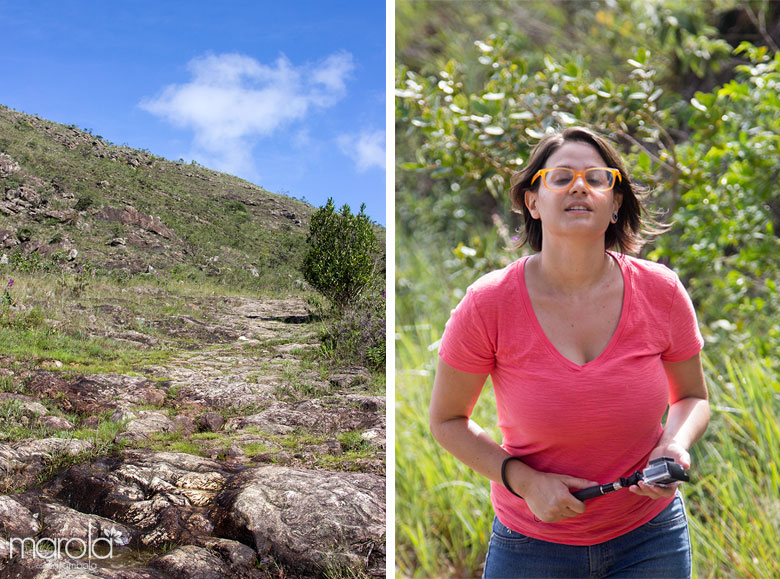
[(289, 95)]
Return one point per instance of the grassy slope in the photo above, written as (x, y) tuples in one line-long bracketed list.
[(211, 214)]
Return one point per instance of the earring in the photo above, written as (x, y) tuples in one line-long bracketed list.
[(614, 217)]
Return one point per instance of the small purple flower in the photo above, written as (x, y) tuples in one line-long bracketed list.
[(10, 284), (515, 238)]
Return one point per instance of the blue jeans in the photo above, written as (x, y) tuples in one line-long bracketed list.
[(659, 548)]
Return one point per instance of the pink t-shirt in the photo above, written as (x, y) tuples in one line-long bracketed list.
[(598, 421)]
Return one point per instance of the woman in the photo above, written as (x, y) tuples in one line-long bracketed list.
[(587, 349)]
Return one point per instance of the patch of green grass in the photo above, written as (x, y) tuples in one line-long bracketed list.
[(734, 503), (336, 570), (18, 423), (352, 441), (299, 385), (85, 354), (185, 446), (349, 461), (377, 385), (170, 442), (443, 511), (173, 392), (296, 440), (255, 448), (207, 436), (43, 325), (11, 385), (104, 434)]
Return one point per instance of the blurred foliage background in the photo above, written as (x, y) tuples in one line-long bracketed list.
[(689, 93)]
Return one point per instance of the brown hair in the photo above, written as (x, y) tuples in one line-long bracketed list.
[(632, 221)]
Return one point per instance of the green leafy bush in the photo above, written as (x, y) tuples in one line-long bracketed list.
[(341, 253), (84, 202), (725, 242)]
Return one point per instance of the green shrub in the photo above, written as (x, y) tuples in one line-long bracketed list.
[(29, 263), (725, 241), (341, 253)]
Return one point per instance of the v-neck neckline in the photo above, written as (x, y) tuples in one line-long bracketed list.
[(627, 293)]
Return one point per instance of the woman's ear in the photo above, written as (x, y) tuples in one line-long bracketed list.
[(530, 203), (617, 201)]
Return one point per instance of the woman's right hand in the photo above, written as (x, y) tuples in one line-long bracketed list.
[(549, 495)]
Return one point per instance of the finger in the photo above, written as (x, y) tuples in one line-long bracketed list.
[(654, 491), (640, 489), (664, 489), (564, 513), (637, 490), (570, 502)]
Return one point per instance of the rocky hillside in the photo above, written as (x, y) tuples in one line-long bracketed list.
[(71, 196), (163, 409)]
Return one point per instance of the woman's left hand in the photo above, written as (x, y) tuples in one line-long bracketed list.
[(680, 456)]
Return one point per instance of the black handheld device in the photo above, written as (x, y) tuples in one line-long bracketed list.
[(660, 471)]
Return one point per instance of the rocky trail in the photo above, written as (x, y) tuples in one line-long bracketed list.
[(237, 458)]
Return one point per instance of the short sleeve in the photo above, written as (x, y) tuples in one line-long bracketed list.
[(685, 339), (466, 344)]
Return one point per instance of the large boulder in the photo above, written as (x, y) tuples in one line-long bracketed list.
[(164, 496), (311, 521), (192, 561), (16, 520)]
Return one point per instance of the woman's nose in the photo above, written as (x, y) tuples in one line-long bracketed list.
[(579, 184)]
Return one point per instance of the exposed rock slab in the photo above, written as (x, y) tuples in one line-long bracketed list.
[(192, 561), (309, 520), (98, 392), (223, 518), (164, 496), (131, 216), (16, 520), (146, 423), (323, 416), (22, 462)]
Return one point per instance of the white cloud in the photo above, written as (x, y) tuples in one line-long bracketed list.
[(367, 149), (302, 139), (232, 99), (332, 74)]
